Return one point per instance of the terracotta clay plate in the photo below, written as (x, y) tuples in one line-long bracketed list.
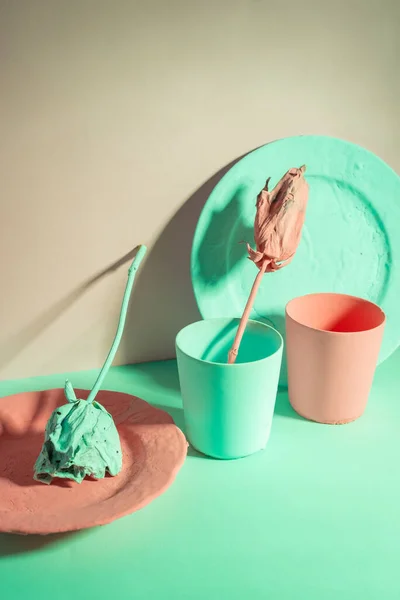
[(153, 447)]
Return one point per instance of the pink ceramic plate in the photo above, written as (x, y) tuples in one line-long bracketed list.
[(154, 449)]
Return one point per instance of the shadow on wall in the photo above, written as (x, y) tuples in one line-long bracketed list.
[(163, 301), (11, 347)]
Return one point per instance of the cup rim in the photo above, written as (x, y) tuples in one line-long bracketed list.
[(227, 365), (338, 295)]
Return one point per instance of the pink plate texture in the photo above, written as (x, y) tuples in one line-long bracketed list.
[(153, 448)]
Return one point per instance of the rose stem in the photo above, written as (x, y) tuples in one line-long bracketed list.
[(131, 276), (233, 352)]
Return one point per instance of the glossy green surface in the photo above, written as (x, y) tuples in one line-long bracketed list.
[(315, 516)]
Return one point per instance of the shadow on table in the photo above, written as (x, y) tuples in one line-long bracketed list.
[(162, 373), (11, 544), (283, 408), (177, 415)]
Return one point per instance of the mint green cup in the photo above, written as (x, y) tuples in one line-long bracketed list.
[(228, 409)]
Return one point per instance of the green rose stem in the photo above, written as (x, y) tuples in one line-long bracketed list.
[(81, 438), (122, 318)]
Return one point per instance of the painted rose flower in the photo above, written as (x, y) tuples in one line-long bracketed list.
[(279, 221), (277, 231)]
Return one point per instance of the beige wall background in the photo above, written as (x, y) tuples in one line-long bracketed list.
[(116, 120)]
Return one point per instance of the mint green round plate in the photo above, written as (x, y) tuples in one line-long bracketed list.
[(350, 241)]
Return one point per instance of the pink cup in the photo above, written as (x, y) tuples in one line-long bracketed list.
[(332, 345)]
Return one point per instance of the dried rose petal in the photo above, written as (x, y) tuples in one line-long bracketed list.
[(279, 221)]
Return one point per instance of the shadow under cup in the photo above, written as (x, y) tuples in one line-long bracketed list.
[(332, 345), (228, 409)]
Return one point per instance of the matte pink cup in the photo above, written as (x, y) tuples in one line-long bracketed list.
[(332, 345)]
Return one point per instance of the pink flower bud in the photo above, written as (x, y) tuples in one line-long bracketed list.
[(279, 221)]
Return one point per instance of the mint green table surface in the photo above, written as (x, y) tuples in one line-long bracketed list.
[(315, 516)]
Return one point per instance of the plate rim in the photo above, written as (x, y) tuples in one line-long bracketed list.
[(44, 530)]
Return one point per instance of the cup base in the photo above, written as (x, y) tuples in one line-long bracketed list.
[(226, 458), (323, 421)]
